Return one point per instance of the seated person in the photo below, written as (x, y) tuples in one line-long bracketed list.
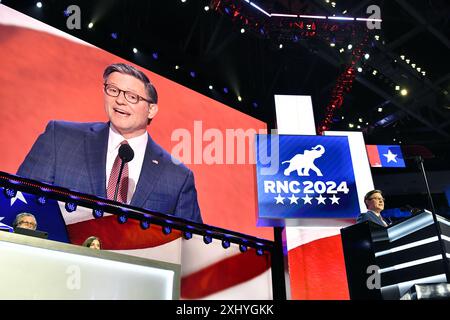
[(93, 243), (375, 204), (25, 220)]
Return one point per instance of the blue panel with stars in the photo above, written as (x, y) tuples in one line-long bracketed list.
[(391, 156), (304, 177), (48, 214)]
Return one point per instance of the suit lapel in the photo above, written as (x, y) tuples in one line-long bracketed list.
[(96, 143), (150, 173)]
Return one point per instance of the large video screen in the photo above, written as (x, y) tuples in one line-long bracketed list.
[(47, 74)]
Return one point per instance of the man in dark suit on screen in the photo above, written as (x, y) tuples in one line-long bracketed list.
[(85, 156)]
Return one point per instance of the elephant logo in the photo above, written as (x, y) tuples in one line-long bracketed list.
[(302, 163)]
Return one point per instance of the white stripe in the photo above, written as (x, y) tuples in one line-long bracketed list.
[(369, 19), (258, 288), (168, 252), (283, 15), (341, 18), (312, 17), (406, 246), (444, 221), (297, 236), (197, 255), (79, 215), (411, 263), (12, 17)]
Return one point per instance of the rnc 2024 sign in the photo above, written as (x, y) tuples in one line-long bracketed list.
[(304, 177)]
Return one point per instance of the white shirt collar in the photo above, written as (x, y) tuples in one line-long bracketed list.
[(115, 139)]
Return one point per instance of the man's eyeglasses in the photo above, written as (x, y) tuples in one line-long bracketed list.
[(112, 91), (31, 224), (376, 198)]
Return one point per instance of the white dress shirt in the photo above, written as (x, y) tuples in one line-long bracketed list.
[(138, 144)]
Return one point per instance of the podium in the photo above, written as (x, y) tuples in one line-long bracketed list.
[(34, 268), (384, 263)]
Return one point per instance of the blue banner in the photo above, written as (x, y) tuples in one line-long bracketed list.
[(304, 177)]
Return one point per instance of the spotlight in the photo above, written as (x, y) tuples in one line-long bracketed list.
[(97, 213), (166, 230), (242, 248), (360, 120), (397, 88), (207, 239), (367, 56), (225, 243), (402, 57), (404, 92), (239, 98), (192, 73), (374, 72), (177, 67), (349, 47), (9, 193), (39, 4), (70, 206), (407, 61), (66, 13), (114, 35), (206, 8), (358, 126), (41, 200), (259, 252), (122, 218), (242, 30), (413, 65), (145, 224), (135, 50), (90, 25), (341, 50), (187, 235), (225, 90), (332, 44), (418, 69), (183, 1), (210, 87), (351, 125), (255, 105), (155, 55), (380, 109), (280, 46), (360, 69)]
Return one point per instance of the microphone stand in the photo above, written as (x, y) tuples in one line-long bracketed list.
[(419, 161)]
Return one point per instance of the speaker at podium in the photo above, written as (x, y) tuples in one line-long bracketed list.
[(386, 263)]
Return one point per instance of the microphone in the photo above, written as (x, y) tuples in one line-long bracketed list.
[(126, 154)]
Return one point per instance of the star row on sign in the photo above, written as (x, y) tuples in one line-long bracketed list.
[(306, 199)]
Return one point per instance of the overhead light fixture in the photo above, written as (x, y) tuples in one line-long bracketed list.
[(239, 98), (366, 56), (351, 125), (349, 47), (360, 69), (397, 88), (135, 50), (404, 92), (280, 46), (206, 8), (380, 109), (39, 4), (242, 30), (210, 87), (90, 25)]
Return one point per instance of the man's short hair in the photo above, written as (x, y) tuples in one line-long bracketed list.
[(132, 71), (22, 215), (370, 193)]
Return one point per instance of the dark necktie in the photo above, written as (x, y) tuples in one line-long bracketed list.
[(112, 182)]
